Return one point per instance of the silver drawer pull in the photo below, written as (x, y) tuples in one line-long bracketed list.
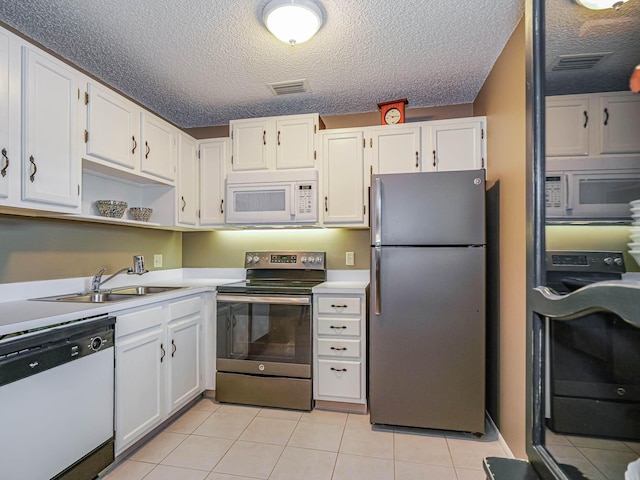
[(340, 327), (34, 364), (339, 306), (339, 369), (339, 348)]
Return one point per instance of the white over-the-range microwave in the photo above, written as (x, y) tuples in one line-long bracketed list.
[(591, 189), (266, 198)]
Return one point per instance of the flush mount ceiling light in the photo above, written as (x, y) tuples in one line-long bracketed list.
[(292, 21), (601, 4)]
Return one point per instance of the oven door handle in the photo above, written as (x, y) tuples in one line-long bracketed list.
[(280, 300)]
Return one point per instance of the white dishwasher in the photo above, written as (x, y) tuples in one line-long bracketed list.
[(56, 401)]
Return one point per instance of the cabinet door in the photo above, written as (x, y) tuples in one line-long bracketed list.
[(567, 126), (140, 385), (5, 102), (455, 146), (214, 155), (620, 117), (113, 126), (51, 164), (251, 141), (343, 161), (184, 379), (396, 149), (158, 154), (295, 142), (187, 181)]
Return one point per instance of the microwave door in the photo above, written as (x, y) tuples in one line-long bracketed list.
[(604, 196)]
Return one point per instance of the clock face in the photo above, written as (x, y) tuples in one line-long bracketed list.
[(392, 116)]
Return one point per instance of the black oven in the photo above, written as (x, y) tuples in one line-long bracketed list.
[(594, 359), (264, 331)]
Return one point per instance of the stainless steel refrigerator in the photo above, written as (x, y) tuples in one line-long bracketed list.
[(427, 302)]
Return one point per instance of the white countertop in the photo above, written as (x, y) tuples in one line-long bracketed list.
[(18, 312)]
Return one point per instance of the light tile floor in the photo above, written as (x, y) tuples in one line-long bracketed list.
[(213, 441), (592, 458)]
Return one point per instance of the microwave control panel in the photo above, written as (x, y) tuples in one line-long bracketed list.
[(305, 201), (553, 191)]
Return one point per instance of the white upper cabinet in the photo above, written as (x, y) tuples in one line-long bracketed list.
[(454, 145), (113, 127), (567, 126), (187, 192), (50, 156), (274, 143), (9, 117), (593, 124), (395, 148), (214, 160), (344, 201), (295, 141), (620, 121), (158, 153)]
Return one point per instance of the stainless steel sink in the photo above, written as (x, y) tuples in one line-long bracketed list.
[(116, 295)]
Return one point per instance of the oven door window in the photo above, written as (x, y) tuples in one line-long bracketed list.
[(264, 332)]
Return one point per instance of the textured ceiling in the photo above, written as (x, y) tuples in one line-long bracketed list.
[(572, 29), (205, 62)]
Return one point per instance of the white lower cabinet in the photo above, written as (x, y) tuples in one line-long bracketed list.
[(340, 349), (158, 365)]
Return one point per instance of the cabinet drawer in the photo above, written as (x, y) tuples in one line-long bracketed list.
[(339, 379), (334, 347), (341, 305), (137, 321), (186, 307), (339, 326)]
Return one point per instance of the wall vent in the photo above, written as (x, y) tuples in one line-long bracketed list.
[(285, 88), (581, 61)]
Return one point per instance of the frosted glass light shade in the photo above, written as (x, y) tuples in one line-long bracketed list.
[(601, 4), (292, 21)]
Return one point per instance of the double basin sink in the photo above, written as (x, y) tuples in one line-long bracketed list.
[(115, 295)]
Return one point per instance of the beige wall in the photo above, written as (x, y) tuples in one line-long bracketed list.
[(502, 99), (44, 249), (225, 249)]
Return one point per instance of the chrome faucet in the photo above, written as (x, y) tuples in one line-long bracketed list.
[(138, 269)]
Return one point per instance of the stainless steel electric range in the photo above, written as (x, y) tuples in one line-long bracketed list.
[(264, 334)]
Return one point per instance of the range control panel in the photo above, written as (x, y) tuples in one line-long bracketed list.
[(290, 260), (583, 261)]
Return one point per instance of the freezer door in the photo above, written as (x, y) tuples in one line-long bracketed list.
[(432, 208), (427, 345)]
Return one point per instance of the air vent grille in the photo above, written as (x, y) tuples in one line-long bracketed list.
[(582, 61), (286, 88)]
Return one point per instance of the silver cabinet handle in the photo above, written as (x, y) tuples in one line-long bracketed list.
[(34, 364), (6, 162), (32, 177)]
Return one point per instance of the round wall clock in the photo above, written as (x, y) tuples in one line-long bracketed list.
[(392, 112)]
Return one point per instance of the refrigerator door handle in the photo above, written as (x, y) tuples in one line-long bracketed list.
[(377, 236), (376, 266)]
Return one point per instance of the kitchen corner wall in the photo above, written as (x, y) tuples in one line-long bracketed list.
[(226, 248), (503, 100), (44, 249)]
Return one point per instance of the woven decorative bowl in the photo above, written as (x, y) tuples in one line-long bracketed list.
[(141, 214), (111, 208)]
